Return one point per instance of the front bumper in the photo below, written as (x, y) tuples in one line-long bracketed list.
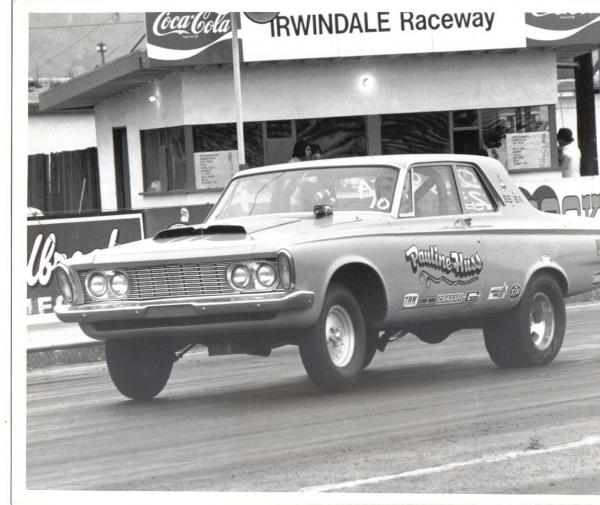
[(185, 317)]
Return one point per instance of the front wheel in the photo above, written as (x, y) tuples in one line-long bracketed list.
[(139, 368), (334, 349), (532, 333)]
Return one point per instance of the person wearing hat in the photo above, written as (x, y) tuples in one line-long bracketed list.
[(569, 156)]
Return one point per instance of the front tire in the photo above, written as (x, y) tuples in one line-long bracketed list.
[(334, 349), (139, 368), (532, 333)]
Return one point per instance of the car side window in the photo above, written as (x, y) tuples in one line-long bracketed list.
[(474, 197), (434, 191)]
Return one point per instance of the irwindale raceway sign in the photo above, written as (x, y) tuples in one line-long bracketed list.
[(182, 38), (203, 37)]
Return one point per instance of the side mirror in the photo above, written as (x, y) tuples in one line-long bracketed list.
[(322, 209)]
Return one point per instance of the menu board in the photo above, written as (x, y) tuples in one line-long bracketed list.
[(528, 150), (214, 169)]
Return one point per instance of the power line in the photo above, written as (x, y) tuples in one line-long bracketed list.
[(123, 43), (85, 24), (70, 45)]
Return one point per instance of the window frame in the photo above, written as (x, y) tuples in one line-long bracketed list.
[(392, 212), (486, 185)]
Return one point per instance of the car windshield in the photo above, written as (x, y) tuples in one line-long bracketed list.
[(369, 188)]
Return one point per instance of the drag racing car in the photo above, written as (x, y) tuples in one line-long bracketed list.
[(338, 257)]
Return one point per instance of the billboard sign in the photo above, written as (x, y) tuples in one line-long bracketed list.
[(188, 38), (298, 35), (576, 196), (50, 241)]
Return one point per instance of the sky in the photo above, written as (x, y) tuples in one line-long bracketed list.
[(64, 45)]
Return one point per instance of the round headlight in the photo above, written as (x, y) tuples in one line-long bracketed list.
[(285, 271), (97, 285), (240, 277), (64, 285), (119, 284), (266, 275)]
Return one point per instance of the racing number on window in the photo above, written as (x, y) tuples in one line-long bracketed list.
[(474, 197)]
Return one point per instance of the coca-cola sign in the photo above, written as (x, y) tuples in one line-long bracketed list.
[(548, 29), (176, 38)]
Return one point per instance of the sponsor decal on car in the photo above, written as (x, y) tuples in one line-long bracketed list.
[(473, 297), (466, 269), (427, 301), (450, 299), (515, 291), (498, 292), (411, 300)]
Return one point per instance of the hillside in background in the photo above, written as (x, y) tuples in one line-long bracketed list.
[(64, 45)]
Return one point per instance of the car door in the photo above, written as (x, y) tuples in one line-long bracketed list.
[(442, 258), (505, 268)]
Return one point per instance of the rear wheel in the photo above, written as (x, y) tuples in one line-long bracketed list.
[(139, 368), (333, 350), (532, 333)]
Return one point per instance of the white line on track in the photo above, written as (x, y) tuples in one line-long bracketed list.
[(583, 305), (592, 440)]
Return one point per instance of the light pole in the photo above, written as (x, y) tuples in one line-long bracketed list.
[(257, 17)]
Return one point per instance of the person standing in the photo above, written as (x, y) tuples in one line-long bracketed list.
[(302, 152), (569, 156)]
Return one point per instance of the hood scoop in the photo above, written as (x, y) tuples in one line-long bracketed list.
[(188, 231)]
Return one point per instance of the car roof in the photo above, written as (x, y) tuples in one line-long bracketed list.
[(398, 160)]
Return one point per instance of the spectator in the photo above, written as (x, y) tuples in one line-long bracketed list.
[(316, 151), (569, 156), (302, 151)]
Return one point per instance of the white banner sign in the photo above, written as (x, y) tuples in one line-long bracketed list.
[(293, 35), (528, 150), (214, 169)]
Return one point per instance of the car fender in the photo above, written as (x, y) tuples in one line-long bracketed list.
[(548, 264)]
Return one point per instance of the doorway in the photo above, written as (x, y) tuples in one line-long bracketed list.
[(121, 168)]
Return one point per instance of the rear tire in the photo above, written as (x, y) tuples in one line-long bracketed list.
[(333, 350), (371, 347), (139, 368), (532, 333)]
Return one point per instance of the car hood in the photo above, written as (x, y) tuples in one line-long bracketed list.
[(239, 238)]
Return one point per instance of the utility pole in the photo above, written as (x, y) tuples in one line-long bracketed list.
[(237, 88), (101, 48)]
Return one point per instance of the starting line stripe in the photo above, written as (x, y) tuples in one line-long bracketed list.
[(592, 440)]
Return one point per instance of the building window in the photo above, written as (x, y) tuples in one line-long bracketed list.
[(223, 137), (519, 137), (165, 161), (337, 137), (279, 129), (426, 132)]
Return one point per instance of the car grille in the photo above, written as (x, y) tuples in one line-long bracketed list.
[(174, 281)]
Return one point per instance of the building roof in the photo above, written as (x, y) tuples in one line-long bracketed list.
[(114, 78)]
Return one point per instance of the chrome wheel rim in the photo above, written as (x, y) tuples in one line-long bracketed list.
[(541, 321), (339, 335)]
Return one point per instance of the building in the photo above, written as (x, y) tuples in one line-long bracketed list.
[(355, 83), (62, 159)]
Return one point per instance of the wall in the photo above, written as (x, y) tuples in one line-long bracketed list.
[(403, 84), (317, 89), (53, 133), (566, 114)]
